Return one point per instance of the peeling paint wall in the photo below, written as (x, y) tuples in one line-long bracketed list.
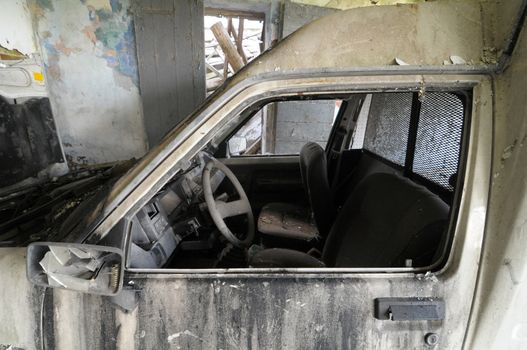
[(88, 49)]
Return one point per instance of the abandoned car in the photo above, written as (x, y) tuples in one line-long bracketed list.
[(370, 235)]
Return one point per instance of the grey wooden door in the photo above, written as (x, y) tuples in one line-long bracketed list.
[(170, 52)]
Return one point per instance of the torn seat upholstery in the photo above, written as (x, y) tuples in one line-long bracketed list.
[(295, 222)]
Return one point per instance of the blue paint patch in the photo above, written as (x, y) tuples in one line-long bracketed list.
[(127, 55), (50, 48), (51, 66), (115, 31), (116, 6)]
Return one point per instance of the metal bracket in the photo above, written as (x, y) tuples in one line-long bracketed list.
[(126, 299)]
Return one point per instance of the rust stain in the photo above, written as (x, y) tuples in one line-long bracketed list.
[(89, 32)]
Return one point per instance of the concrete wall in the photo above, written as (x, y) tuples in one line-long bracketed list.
[(88, 50), (296, 15), (300, 122)]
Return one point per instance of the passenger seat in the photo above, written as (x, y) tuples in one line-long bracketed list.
[(387, 221)]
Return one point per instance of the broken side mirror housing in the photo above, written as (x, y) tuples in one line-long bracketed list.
[(80, 267)]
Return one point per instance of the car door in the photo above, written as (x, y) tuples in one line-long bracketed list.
[(295, 307)]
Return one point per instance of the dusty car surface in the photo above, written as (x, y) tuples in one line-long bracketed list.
[(401, 227)]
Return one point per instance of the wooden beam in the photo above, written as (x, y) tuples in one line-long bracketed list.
[(214, 70), (225, 67), (239, 39), (221, 12), (255, 147), (237, 36), (231, 54), (269, 129)]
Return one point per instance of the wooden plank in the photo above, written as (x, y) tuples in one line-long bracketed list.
[(271, 35), (239, 39), (230, 13), (198, 54), (294, 16), (214, 70), (269, 129), (257, 8), (230, 51)]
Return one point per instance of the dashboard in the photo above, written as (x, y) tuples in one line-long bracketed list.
[(175, 219)]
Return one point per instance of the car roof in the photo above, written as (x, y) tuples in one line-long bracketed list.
[(432, 34)]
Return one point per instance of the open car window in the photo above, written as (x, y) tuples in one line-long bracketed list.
[(385, 198)]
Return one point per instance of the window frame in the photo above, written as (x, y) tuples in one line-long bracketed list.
[(220, 114)]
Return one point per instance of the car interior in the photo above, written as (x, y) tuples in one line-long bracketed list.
[(380, 192)]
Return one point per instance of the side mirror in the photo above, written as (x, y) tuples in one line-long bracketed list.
[(81, 267)]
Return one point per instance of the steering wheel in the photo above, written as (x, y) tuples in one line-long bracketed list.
[(219, 210)]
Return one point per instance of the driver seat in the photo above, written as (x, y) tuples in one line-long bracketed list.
[(295, 222)]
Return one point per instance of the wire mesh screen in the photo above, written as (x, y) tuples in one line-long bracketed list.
[(388, 123), (438, 138)]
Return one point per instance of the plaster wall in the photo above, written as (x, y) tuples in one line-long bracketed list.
[(88, 49)]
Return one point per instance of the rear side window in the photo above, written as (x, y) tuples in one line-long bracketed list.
[(438, 139), (388, 125), (423, 138)]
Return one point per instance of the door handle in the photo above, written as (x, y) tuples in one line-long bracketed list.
[(409, 309)]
